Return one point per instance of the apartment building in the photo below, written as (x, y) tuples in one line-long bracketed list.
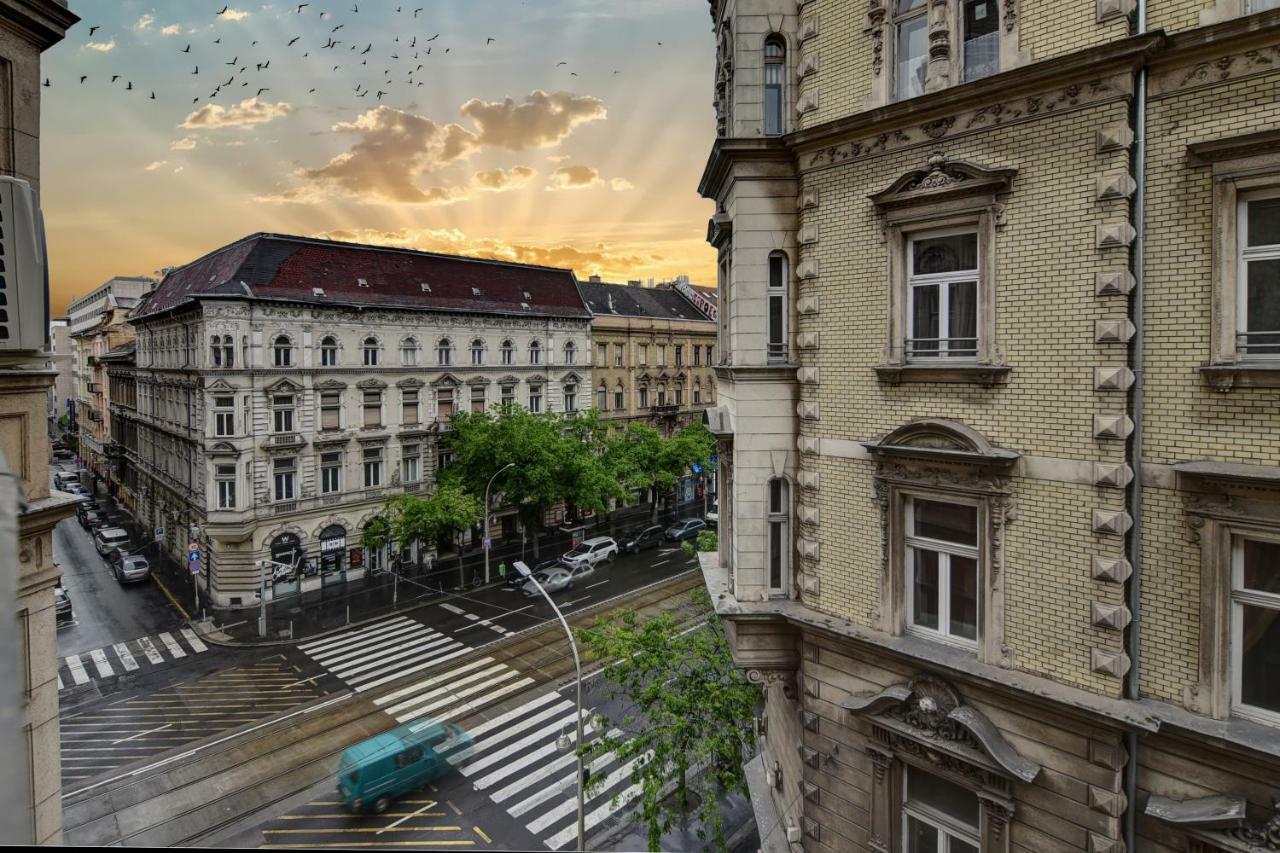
[(999, 317), (287, 386), (62, 392)]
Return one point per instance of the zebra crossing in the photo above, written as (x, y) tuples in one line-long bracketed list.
[(123, 658), (369, 657)]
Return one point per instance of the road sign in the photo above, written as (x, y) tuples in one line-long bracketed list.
[(488, 543), (195, 565), (697, 469), (159, 534), (713, 457)]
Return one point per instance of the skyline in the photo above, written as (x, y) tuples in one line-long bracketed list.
[(483, 146)]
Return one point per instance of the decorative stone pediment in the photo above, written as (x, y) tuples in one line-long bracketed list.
[(221, 385), (538, 377), (283, 386), (940, 439), (478, 381), (930, 715), (410, 382), (331, 385), (571, 377), (223, 448), (509, 380), (448, 380), (371, 384), (1218, 823), (942, 180)]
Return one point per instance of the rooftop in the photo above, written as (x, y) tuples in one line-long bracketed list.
[(627, 301), (308, 270)]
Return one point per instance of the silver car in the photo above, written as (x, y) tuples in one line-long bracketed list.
[(558, 579), (130, 567)]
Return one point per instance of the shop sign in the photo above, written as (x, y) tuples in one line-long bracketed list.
[(336, 544)]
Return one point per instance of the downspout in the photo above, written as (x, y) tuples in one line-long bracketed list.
[(1137, 351)]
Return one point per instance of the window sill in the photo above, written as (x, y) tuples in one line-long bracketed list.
[(1252, 374), (970, 373)]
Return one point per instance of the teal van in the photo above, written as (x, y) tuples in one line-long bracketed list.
[(374, 772)]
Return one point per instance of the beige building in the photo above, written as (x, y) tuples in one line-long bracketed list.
[(652, 353), (1000, 477), (285, 387), (31, 794), (61, 361)]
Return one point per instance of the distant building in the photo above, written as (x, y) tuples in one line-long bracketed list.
[(286, 387), (62, 362)]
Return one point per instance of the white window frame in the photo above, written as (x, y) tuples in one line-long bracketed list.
[(370, 354), (946, 825), (535, 397), (410, 396), (617, 355), (324, 473), (535, 352), (775, 66), (942, 281), (411, 455), (570, 395), (365, 408), (897, 21), (777, 291), (226, 486), (479, 394), (619, 397), (1244, 255), (221, 412), (945, 551), (477, 352), (444, 352), (281, 412), (409, 352), (337, 407), (1239, 598), (282, 476), (781, 521), (328, 351), (962, 42), (371, 467), (508, 351), (281, 356), (570, 352)]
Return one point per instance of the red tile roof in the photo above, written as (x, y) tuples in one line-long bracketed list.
[(279, 267)]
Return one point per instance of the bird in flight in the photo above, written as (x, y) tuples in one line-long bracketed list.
[(302, 6), (367, 49), (434, 37), (311, 92), (224, 10), (153, 96), (416, 11), (197, 71), (380, 94), (83, 77), (335, 29), (294, 39), (355, 9), (129, 86), (260, 91), (558, 64), (187, 49), (93, 30), (233, 62), (489, 41), (115, 77), (47, 84)]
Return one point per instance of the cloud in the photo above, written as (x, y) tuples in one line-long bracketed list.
[(144, 22), (621, 185), (179, 170), (171, 30), (158, 164), (558, 158), (235, 14), (102, 46), (247, 113), (543, 119), (574, 178), (498, 180), (186, 143)]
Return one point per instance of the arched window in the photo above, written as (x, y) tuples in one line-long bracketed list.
[(477, 351), (697, 391), (409, 352), (508, 352), (570, 392), (228, 351), (283, 351), (570, 352), (217, 351), (535, 353), (329, 351), (444, 352), (662, 394), (643, 396), (776, 311), (602, 397), (679, 401), (779, 546), (618, 397), (371, 351), (775, 61), (287, 549)]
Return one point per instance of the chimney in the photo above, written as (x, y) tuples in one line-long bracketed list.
[(594, 279)]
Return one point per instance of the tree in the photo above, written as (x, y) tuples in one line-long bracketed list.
[(642, 458), (688, 721), (554, 460), (411, 519)]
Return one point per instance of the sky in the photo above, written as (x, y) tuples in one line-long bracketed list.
[(562, 132)]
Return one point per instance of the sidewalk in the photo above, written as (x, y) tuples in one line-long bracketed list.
[(334, 606)]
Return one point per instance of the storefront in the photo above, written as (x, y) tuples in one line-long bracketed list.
[(333, 547)]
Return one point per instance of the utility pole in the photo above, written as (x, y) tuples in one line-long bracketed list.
[(486, 517)]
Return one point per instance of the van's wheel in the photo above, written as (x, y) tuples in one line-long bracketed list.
[(380, 805)]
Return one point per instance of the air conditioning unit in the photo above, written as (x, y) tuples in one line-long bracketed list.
[(24, 278)]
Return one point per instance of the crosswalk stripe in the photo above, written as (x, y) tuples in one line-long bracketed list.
[(126, 657), (348, 636), (431, 682), (507, 716), (518, 785), (459, 694), (378, 682), (570, 804), (453, 609), (364, 645), (172, 645), (193, 641), (561, 710), (476, 766), (78, 675), (149, 649), (570, 832), (396, 667), (524, 761), (471, 708), (447, 689), (99, 658), (61, 686), (390, 656), (568, 784)]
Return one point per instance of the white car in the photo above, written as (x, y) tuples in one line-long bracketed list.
[(592, 552)]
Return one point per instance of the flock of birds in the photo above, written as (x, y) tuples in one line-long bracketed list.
[(404, 62)]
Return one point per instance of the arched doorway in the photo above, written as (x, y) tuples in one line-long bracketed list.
[(333, 548), (288, 557)]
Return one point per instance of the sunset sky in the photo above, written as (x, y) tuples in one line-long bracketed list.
[(501, 151)]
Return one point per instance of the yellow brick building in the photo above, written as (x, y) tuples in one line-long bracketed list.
[(1000, 471)]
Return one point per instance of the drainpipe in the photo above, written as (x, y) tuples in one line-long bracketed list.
[(1137, 350)]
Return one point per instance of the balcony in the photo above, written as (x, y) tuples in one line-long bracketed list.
[(664, 410), (284, 507), (284, 440)]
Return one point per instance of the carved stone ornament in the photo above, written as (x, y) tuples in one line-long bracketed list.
[(930, 712), (783, 678), (1219, 823), (943, 178), (940, 440)]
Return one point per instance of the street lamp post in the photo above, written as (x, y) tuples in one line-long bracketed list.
[(486, 516), (265, 566), (577, 667)]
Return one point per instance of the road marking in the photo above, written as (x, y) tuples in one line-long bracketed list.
[(538, 754), (172, 645), (141, 734), (661, 563), (346, 637), (375, 830), (193, 641), (480, 832), (512, 749), (464, 842), (149, 649), (433, 680), (456, 810), (508, 716), (594, 585), (429, 804), (570, 804), (468, 708), (169, 596), (459, 694), (454, 609), (501, 670), (558, 710), (126, 657), (78, 675), (60, 684), (568, 784), (100, 661)]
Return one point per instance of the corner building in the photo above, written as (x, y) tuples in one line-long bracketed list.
[(997, 418)]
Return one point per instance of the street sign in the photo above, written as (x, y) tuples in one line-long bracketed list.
[(195, 565), (159, 534), (713, 457), (488, 543), (193, 551), (697, 469)]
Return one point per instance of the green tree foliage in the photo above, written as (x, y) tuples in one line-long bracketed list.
[(688, 719), (410, 519), (642, 458), (707, 541)]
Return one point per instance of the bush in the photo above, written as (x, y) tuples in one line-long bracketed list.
[(707, 541)]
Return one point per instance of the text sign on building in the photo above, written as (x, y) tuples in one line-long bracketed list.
[(327, 545)]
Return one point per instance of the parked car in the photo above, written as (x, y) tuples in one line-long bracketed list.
[(375, 772), (108, 539), (62, 611), (552, 580), (515, 580), (129, 567), (79, 491), (713, 515), (86, 506), (687, 529), (90, 519), (642, 539), (592, 552), (62, 455), (65, 479)]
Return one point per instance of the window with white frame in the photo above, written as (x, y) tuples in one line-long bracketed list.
[(679, 401), (479, 398), (284, 473), (371, 353), (602, 355), (642, 355), (662, 394), (409, 352), (225, 477), (618, 397), (477, 352), (508, 395), (331, 472), (911, 47), (372, 467), (775, 71), (508, 352), (570, 398), (662, 355), (779, 521), (372, 408), (410, 462), (602, 397), (535, 397), (282, 351), (282, 413), (1255, 628), (330, 410), (444, 404), (329, 351), (979, 39), (535, 352), (643, 396), (1258, 266), (409, 410), (941, 561), (617, 355), (697, 391), (777, 307), (444, 352), (938, 816), (224, 415), (942, 288), (570, 352)]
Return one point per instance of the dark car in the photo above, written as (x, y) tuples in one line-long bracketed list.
[(63, 455), (517, 581), (87, 506), (642, 539), (91, 519), (687, 529)]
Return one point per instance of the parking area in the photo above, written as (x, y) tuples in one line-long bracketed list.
[(426, 819)]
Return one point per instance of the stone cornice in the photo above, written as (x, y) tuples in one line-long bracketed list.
[(43, 22), (726, 150), (1206, 56)]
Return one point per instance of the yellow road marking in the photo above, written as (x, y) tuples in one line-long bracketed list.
[(480, 832), (456, 810), (349, 814), (169, 596), (461, 842), (340, 802), (376, 829)]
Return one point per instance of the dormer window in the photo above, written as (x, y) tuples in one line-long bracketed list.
[(775, 60)]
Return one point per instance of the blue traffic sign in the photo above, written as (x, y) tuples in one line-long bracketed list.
[(713, 457), (697, 469)]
